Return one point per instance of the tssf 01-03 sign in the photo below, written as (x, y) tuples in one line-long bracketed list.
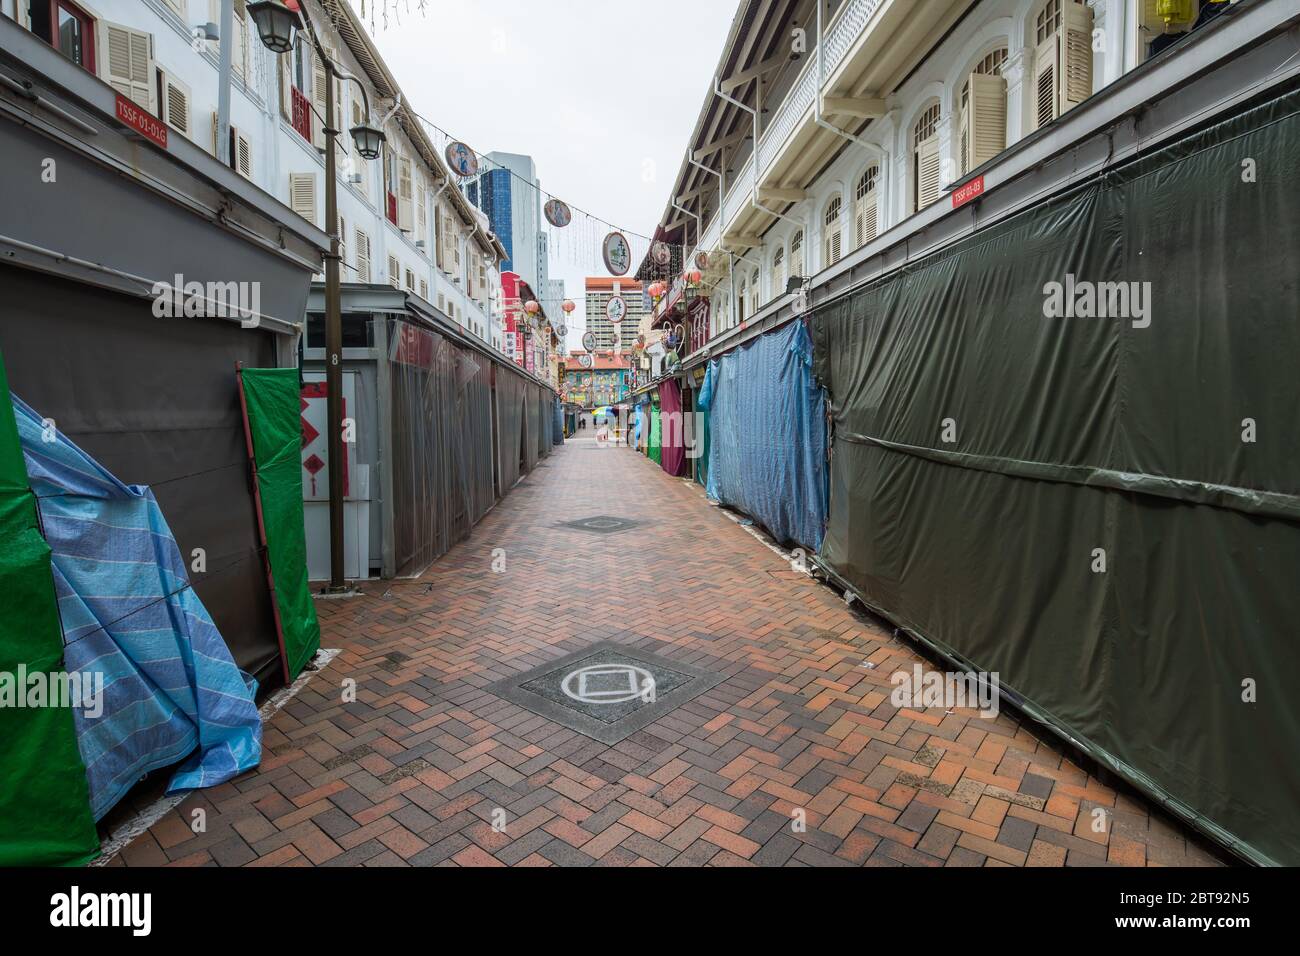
[(968, 191)]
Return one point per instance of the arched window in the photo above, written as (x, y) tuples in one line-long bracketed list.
[(983, 109), (778, 272), (831, 234), (1062, 58), (864, 207), (742, 301), (925, 159), (753, 293), (796, 255)]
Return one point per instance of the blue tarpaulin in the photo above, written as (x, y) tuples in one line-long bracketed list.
[(171, 690), (767, 435)]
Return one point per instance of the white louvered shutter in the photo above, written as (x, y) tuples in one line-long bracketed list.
[(176, 104), (126, 63), (405, 195), (927, 172), (1076, 55), (243, 153), (302, 195), (394, 273), (1046, 77), (986, 112), (363, 257), (318, 96), (421, 212)]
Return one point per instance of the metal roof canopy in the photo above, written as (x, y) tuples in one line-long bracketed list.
[(361, 299)]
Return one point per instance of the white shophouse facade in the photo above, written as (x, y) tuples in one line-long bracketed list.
[(403, 220)]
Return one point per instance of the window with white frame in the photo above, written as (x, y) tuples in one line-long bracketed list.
[(754, 293), (983, 112), (865, 211), (742, 300), (796, 255), (832, 232), (778, 272), (1062, 59), (926, 166)]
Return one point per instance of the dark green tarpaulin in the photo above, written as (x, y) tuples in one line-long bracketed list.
[(274, 419), (987, 455), (44, 799)]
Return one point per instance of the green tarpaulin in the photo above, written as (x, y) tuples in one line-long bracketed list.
[(45, 814), (274, 420), (655, 451), (1103, 510)]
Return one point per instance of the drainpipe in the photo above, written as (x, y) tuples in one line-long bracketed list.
[(753, 199)]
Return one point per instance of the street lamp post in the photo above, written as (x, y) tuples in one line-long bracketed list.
[(277, 26)]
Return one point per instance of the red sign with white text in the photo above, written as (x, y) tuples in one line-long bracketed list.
[(968, 191), (147, 125)]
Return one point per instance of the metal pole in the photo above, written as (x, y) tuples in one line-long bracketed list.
[(227, 43), (333, 342)]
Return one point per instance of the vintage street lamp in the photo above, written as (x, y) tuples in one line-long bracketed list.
[(278, 25)]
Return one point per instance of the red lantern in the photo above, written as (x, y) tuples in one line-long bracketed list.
[(568, 306), (531, 307), (695, 277)]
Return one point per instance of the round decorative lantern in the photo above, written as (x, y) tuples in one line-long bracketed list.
[(568, 306)]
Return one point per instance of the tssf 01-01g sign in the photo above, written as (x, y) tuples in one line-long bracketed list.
[(150, 127)]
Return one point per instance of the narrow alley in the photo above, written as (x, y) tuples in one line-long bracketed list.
[(477, 737)]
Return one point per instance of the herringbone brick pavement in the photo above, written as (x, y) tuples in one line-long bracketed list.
[(411, 772)]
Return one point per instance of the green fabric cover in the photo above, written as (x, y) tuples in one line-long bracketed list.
[(1074, 434), (45, 814), (274, 410), (656, 452)]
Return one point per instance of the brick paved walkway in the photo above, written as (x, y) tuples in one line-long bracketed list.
[(411, 772)]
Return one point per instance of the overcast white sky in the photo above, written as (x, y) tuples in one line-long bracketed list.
[(601, 93)]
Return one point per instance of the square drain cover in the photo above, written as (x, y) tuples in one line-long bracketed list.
[(606, 691), (600, 524)]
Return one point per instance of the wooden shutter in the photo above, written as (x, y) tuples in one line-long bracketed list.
[(343, 246), (363, 257), (126, 62), (834, 244), (302, 195), (927, 172), (394, 270), (438, 233), (986, 113), (866, 218), (424, 289), (405, 195), (1046, 73), (421, 212), (1076, 55), (243, 149), (318, 96), (284, 67), (176, 104)]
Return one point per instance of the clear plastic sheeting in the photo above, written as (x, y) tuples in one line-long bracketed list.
[(767, 435), (441, 442), (510, 427)]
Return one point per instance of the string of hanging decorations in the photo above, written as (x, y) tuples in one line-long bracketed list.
[(572, 234)]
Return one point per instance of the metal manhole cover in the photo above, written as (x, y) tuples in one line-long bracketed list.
[(606, 691), (600, 524)]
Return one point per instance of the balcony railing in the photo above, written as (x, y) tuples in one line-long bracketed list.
[(840, 35), (301, 113)]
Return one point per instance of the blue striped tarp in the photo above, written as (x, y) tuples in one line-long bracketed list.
[(171, 690)]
